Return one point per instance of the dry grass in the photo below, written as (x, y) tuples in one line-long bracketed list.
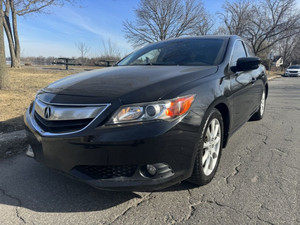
[(24, 83), (274, 73)]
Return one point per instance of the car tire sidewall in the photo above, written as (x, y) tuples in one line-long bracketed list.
[(258, 115), (198, 175)]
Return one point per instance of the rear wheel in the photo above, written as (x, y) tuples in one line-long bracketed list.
[(261, 110), (209, 150)]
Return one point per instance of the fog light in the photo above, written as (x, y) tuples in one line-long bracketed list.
[(29, 151), (151, 169)]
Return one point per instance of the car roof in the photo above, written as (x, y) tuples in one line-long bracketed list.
[(225, 37)]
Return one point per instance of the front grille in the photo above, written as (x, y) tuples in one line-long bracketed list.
[(293, 71), (57, 119), (61, 126), (107, 172)]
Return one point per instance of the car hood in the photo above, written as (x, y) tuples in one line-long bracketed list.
[(128, 84)]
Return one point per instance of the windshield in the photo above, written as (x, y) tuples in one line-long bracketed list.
[(193, 51), (294, 67)]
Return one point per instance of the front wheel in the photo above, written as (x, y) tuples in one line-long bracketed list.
[(259, 114), (209, 149)]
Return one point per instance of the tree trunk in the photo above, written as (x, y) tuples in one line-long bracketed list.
[(3, 71), (12, 34), (16, 63), (8, 31)]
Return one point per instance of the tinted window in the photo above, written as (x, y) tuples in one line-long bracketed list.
[(198, 52), (238, 52)]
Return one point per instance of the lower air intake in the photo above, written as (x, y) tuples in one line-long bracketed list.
[(106, 172)]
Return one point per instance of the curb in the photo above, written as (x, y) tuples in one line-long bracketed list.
[(12, 143)]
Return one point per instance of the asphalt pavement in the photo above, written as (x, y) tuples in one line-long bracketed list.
[(257, 182)]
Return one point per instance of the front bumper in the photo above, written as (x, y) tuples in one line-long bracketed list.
[(115, 158), (289, 74)]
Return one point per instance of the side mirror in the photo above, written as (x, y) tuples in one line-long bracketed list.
[(246, 63)]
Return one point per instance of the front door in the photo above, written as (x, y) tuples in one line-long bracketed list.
[(241, 86)]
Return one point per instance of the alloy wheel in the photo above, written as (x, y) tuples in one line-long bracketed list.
[(262, 103), (211, 146)]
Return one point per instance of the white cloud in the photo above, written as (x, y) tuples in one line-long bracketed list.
[(85, 23), (55, 34)]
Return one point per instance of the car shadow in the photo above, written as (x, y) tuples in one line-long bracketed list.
[(26, 183), (11, 125)]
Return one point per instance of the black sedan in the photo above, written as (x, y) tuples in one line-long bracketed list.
[(160, 116)]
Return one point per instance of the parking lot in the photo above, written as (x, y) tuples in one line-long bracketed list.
[(257, 182)]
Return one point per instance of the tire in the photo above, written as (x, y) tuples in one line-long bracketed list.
[(259, 114), (208, 150)]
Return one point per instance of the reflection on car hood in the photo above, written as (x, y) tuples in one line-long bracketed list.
[(130, 84)]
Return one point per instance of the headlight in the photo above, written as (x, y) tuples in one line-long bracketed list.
[(163, 110)]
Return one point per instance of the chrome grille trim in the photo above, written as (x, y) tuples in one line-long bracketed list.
[(49, 134), (68, 104), (67, 112)]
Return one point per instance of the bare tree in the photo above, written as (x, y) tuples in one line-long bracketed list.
[(14, 8), (236, 17), (278, 21), (296, 52), (205, 24), (3, 72), (110, 50), (285, 48), (163, 19), (262, 22), (289, 50), (83, 49)]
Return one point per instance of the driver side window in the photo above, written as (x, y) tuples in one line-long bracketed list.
[(238, 52)]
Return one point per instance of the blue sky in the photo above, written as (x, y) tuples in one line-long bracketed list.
[(55, 33)]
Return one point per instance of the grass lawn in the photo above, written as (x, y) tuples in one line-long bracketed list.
[(24, 83), (274, 73)]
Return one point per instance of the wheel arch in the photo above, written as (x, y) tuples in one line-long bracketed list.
[(221, 105), (267, 90), (223, 109)]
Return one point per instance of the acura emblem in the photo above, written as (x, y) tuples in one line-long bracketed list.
[(47, 112)]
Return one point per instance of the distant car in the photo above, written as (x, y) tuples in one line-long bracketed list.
[(160, 116), (293, 71)]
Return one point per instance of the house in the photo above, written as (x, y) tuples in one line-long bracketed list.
[(277, 61)]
